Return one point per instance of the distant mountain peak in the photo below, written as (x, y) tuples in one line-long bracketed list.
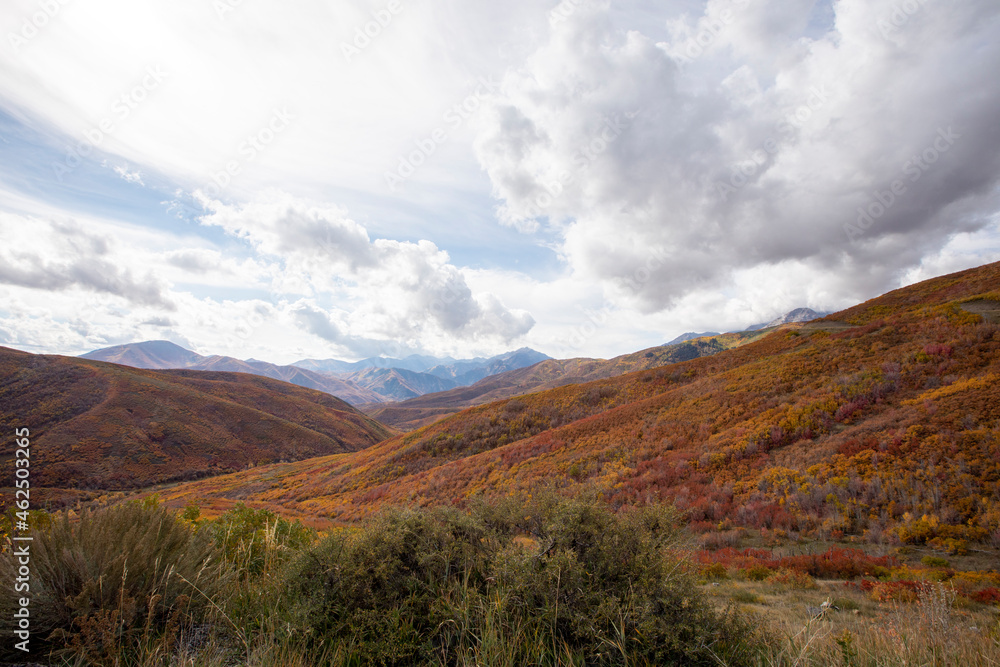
[(152, 354), (684, 337), (796, 315)]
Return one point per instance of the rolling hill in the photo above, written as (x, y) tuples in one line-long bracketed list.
[(163, 355), (96, 425), (548, 374), (881, 421)]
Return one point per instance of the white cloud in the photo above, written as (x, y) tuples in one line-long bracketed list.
[(53, 255), (819, 126), (398, 290), (692, 164), (129, 176), (220, 80)]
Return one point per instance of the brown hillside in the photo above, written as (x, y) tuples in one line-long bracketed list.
[(96, 425), (163, 355), (890, 426)]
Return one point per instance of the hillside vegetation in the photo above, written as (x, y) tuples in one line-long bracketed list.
[(880, 422), (548, 374), (96, 425)]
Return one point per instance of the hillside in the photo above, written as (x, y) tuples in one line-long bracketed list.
[(882, 420), (96, 425), (548, 374), (162, 355)]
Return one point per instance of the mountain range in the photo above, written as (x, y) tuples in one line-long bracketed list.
[(392, 389), (797, 315), (368, 381)]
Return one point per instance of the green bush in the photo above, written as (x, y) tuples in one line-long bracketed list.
[(746, 597), (512, 583), (388, 585), (845, 604), (714, 572), (934, 561), (116, 578), (756, 573), (255, 540)]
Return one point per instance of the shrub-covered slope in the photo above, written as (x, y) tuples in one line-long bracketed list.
[(884, 418), (96, 425)]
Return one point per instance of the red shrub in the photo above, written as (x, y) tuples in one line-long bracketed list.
[(989, 595)]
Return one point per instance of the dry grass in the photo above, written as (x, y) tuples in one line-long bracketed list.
[(936, 630)]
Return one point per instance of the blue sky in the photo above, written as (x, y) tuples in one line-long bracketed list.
[(586, 178)]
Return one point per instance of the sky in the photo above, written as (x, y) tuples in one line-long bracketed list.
[(309, 179)]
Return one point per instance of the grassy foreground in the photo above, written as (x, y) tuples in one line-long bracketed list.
[(531, 581)]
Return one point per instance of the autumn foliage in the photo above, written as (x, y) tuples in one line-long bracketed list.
[(101, 426), (879, 422)]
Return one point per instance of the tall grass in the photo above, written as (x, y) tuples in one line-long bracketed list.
[(117, 582), (926, 633)]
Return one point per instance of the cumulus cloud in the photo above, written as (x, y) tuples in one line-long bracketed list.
[(61, 255), (855, 152), (318, 322), (399, 290), (195, 260)]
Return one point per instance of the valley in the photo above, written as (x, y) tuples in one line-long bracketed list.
[(812, 481)]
